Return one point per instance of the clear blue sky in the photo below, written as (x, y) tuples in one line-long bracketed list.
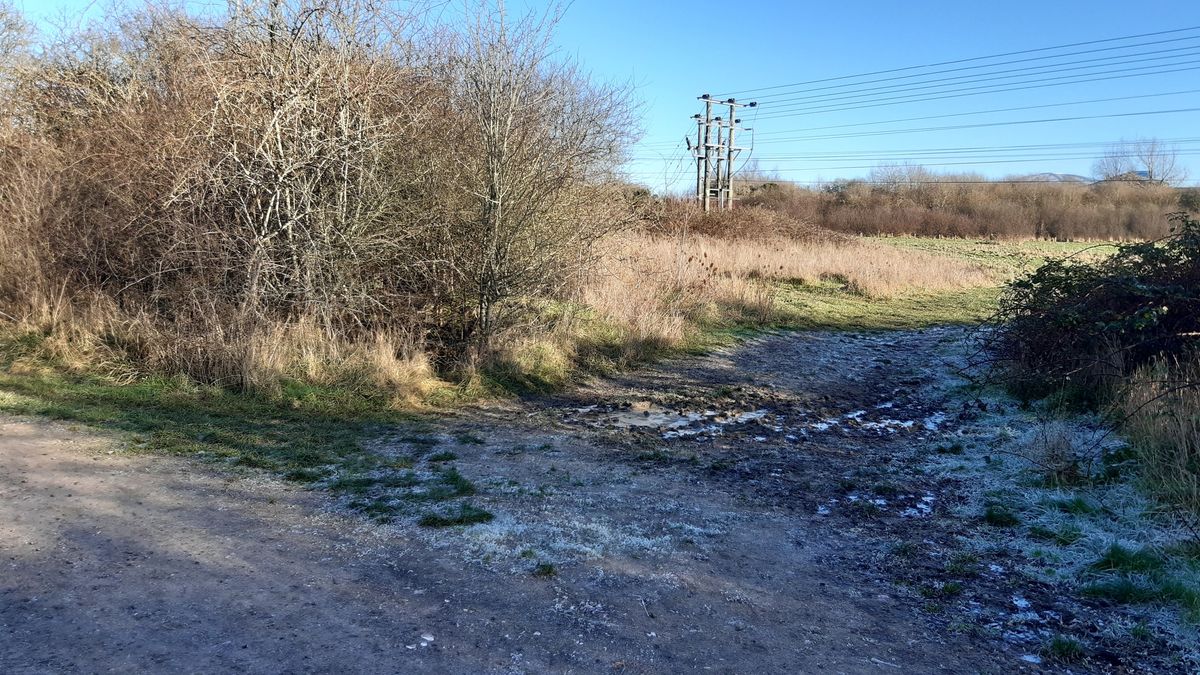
[(673, 50)]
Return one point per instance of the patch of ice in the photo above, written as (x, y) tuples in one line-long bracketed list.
[(747, 417), (1020, 602), (922, 508), (934, 421)]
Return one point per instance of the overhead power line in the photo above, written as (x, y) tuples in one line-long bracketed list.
[(768, 135), (1013, 160), (1171, 54), (950, 181), (770, 98), (975, 91), (1075, 118), (957, 61), (983, 112)]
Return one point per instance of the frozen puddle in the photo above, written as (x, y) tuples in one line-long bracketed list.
[(922, 508), (854, 420), (919, 507), (672, 423)]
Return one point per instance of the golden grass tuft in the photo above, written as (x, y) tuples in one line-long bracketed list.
[(655, 286), (1162, 406)]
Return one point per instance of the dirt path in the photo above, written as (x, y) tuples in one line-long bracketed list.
[(740, 512)]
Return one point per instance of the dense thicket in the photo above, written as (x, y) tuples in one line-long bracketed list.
[(1090, 323), (199, 190), (1120, 333), (921, 203)]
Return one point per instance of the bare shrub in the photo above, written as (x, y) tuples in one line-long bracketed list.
[(523, 188), (909, 200), (1053, 450), (298, 182)]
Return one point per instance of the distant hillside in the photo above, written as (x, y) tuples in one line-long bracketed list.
[(1056, 178)]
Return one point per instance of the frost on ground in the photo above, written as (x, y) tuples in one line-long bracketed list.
[(1079, 524), (811, 502)]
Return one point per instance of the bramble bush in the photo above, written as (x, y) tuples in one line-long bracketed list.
[(1083, 326)]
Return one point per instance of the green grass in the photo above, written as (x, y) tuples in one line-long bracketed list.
[(829, 305), (1063, 536), (1000, 255), (832, 305), (1121, 559), (1075, 505), (300, 433), (963, 564), (306, 434), (1063, 649), (998, 515), (467, 514), (948, 589), (1143, 576)]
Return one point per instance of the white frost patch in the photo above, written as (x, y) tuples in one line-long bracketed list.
[(923, 508), (934, 421), (553, 538)]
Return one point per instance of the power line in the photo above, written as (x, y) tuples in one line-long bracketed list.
[(974, 158), (1000, 148), (769, 97), (890, 132), (958, 93), (997, 75), (950, 181), (1016, 160), (966, 60), (985, 112), (982, 157), (769, 134)]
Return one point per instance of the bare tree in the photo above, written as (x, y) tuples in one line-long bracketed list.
[(1145, 159), (531, 170)]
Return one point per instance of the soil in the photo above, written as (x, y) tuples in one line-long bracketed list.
[(768, 508)]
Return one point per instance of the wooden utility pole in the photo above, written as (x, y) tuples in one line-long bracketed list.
[(733, 122), (718, 147), (700, 127), (706, 149), (719, 155)]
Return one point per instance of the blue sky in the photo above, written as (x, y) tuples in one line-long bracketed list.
[(672, 51)]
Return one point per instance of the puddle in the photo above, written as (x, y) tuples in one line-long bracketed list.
[(672, 423)]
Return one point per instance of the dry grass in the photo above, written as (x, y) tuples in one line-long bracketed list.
[(1163, 410), (655, 286), (97, 337)]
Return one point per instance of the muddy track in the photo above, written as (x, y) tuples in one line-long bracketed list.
[(753, 510)]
